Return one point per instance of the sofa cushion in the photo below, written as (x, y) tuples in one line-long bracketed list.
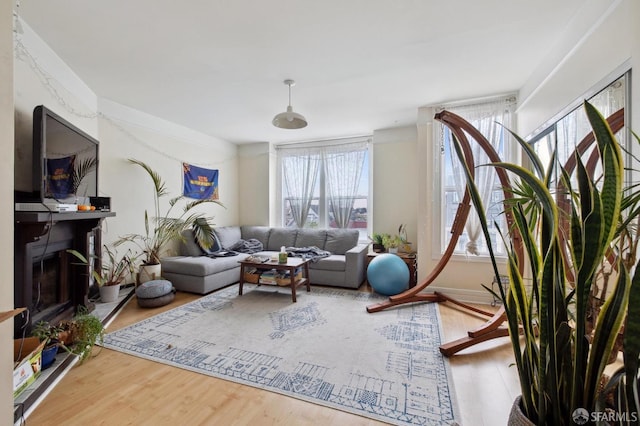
[(311, 238), (227, 235), (281, 237), (200, 266), (339, 241), (335, 262), (188, 245), (260, 233)]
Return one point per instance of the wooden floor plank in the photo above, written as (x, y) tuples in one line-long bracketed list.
[(118, 389)]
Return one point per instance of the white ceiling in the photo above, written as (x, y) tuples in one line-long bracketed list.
[(217, 66)]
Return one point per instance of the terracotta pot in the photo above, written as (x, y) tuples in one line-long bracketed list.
[(65, 338), (516, 416), (109, 293)]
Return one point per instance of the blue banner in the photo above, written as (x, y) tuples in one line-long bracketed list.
[(60, 176), (200, 183)]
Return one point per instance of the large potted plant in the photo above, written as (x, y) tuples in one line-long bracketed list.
[(161, 228), (566, 242)]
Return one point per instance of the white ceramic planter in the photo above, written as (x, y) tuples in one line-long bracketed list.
[(109, 293), (149, 273)]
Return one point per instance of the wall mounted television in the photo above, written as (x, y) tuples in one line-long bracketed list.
[(65, 160)]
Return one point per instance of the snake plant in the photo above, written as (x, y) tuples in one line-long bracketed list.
[(566, 242)]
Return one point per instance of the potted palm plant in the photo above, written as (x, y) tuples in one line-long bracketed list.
[(160, 229), (114, 270), (566, 241)]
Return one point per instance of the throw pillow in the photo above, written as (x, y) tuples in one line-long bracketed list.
[(215, 247)]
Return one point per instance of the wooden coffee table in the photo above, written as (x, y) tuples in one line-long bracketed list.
[(292, 264)]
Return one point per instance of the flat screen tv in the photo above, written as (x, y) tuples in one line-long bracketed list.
[(65, 160)]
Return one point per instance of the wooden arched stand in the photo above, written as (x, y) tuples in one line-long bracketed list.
[(493, 328)]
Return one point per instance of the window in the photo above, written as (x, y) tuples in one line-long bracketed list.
[(325, 186), (564, 134), (489, 118)]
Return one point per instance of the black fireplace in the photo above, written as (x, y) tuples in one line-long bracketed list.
[(47, 279)]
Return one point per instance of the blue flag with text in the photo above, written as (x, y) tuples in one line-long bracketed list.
[(60, 176), (200, 183)]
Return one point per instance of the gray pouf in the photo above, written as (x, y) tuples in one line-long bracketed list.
[(155, 293)]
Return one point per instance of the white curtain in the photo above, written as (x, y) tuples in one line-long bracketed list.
[(343, 168), (488, 118), (573, 127), (300, 175)]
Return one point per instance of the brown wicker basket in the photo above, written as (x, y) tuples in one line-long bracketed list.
[(287, 281), (251, 278)]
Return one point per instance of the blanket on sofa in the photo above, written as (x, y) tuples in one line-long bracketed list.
[(247, 246), (313, 253)]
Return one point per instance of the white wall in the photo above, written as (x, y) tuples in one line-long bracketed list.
[(255, 186), (601, 38), (42, 78), (395, 181), (127, 133), (123, 132), (599, 41), (6, 216)]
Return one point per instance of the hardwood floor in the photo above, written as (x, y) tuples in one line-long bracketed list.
[(118, 389)]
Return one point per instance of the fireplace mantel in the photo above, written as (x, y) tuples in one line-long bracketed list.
[(46, 217), (39, 233)]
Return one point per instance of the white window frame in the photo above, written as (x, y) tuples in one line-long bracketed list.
[(323, 208), (440, 230)]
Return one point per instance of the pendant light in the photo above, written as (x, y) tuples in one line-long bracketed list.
[(289, 119)]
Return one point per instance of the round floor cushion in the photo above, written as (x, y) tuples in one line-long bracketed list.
[(155, 293)]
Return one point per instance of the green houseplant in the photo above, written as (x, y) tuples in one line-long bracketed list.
[(391, 243), (50, 335), (87, 331), (378, 243), (161, 228), (114, 269), (566, 244)]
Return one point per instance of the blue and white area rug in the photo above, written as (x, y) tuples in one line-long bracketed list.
[(325, 349)]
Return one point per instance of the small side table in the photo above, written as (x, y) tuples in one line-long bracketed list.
[(409, 258)]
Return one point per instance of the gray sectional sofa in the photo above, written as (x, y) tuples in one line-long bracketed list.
[(195, 272)]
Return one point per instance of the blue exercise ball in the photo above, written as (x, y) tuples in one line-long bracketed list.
[(388, 274)]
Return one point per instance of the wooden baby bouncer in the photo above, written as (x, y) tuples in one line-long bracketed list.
[(493, 327)]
